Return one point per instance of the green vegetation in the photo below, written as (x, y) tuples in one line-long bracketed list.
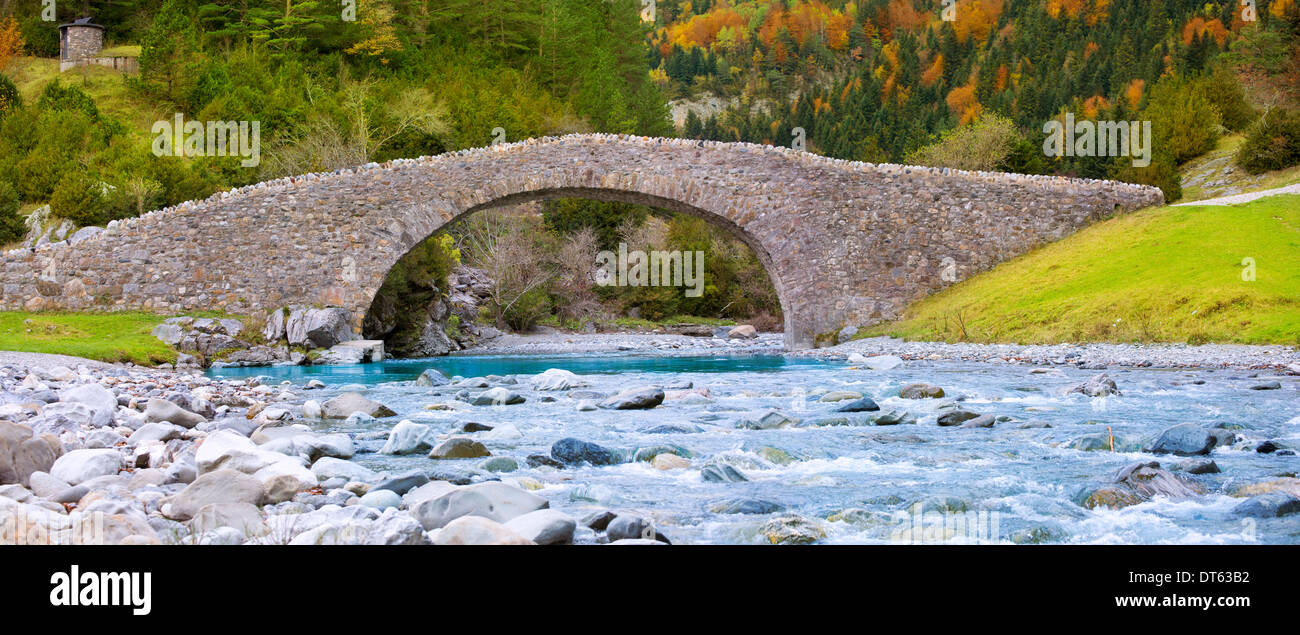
[(1169, 274), (108, 337), (1273, 143)]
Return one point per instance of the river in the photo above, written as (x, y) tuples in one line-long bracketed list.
[(860, 483)]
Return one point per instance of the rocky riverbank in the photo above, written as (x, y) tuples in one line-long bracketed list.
[(101, 454), (1086, 356)]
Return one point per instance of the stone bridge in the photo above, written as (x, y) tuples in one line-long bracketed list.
[(845, 243)]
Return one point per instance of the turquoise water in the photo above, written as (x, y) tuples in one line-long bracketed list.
[(859, 482)]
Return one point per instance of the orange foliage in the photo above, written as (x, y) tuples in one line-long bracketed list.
[(1203, 27), (1093, 106), (1000, 83), (1133, 92), (1098, 13), (900, 14), (837, 32), (1091, 48), (934, 72), (11, 42), (1070, 8), (976, 18), (702, 30), (961, 101), (1279, 8)]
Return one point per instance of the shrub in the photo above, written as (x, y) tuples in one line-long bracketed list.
[(1184, 122), (79, 198), (10, 98), (985, 144), (1273, 143), (11, 223)]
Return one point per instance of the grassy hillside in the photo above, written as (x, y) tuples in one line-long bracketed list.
[(109, 337), (1169, 274)]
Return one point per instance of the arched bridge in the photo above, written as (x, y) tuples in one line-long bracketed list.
[(845, 243)]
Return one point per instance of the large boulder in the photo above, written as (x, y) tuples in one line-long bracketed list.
[(920, 391), (1099, 386), (493, 500), (1184, 439), (101, 401), (222, 486), (432, 377), (319, 328), (742, 332), (571, 451), (408, 437), (342, 407), (557, 379), (1271, 505), (82, 465), (23, 453), (497, 397), (635, 399), (544, 527), (330, 467), (459, 448), (474, 530), (158, 410)]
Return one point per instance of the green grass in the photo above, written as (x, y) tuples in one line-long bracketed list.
[(108, 88), (106, 337), (1168, 274)]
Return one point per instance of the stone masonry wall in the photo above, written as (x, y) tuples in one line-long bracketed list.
[(845, 243)]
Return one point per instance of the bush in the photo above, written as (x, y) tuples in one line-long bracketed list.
[(1184, 122), (1161, 173), (80, 199), (11, 223), (985, 144), (1273, 143), (10, 98)]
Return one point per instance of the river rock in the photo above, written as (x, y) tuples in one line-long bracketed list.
[(82, 465), (721, 473), (432, 377), (746, 506), (459, 448), (792, 530), (222, 486), (381, 499), (557, 379), (1199, 466), (101, 401), (497, 397), (1150, 480), (243, 517), (23, 453), (982, 421), (1268, 385), (840, 395), (544, 527), (475, 530), (1271, 505), (864, 404), (328, 467), (770, 419), (1099, 386), (742, 332), (1184, 439), (920, 391), (151, 432), (894, 418), (635, 399), (956, 417), (409, 438), (159, 410), (342, 407), (494, 500), (571, 451), (402, 483), (669, 462)]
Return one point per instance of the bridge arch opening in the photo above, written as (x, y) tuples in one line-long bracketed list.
[(379, 322)]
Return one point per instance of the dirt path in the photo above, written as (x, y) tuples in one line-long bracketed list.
[(1236, 199)]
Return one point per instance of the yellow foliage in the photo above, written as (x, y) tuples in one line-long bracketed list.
[(11, 42)]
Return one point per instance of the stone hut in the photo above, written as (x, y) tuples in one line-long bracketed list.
[(80, 43)]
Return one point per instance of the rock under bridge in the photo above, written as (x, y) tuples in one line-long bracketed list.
[(845, 243)]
